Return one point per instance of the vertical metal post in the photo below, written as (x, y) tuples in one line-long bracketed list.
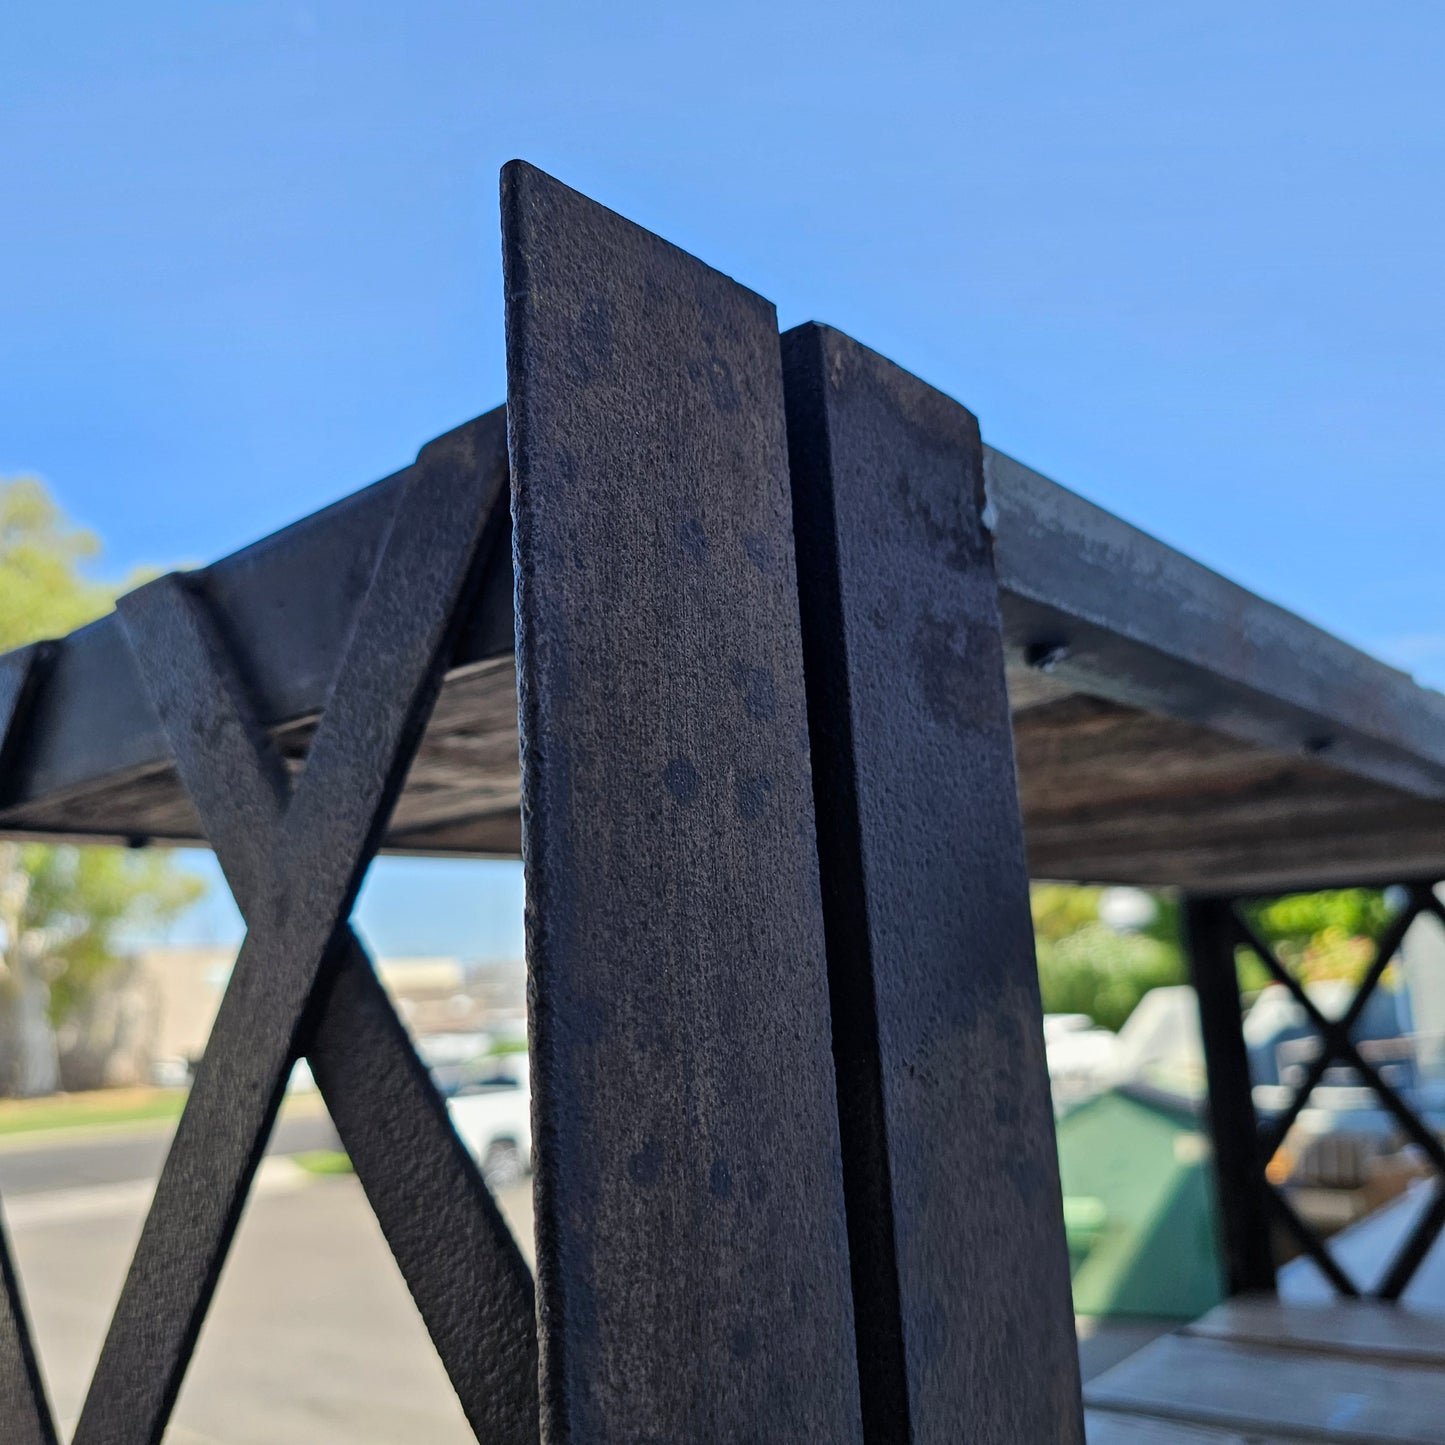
[(1210, 935), (692, 1254), (960, 1271)]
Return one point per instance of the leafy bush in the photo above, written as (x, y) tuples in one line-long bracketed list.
[(1089, 968), (1099, 972)]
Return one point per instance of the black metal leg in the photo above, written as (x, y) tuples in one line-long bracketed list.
[(954, 1214), (1210, 935), (692, 1265)]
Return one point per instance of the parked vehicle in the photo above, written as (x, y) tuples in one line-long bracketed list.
[(1158, 1046), (1082, 1059), (493, 1118), (1282, 1043)]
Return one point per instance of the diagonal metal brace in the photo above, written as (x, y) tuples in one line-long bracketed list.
[(295, 861), (1311, 1244), (23, 1407), (470, 1282), (1333, 1031), (1336, 1044)]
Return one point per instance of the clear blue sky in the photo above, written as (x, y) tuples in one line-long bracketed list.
[(1185, 258)]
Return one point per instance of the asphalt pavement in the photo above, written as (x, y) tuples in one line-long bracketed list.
[(313, 1336), (118, 1153)]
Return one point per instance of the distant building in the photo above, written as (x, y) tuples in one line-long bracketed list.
[(189, 982), (431, 994), (148, 1023), (434, 995)]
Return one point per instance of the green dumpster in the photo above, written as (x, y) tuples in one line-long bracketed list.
[(1139, 1206)]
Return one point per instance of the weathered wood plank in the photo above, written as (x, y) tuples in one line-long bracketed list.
[(1148, 626), (1301, 862), (1251, 1387), (1362, 1328), (1108, 792), (692, 1250), (960, 1269)]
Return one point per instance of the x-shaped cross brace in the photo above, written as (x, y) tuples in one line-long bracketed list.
[(294, 858), (1336, 1044)]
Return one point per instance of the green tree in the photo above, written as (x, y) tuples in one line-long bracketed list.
[(62, 909), (1087, 967), (42, 591), (1061, 909), (1319, 935)]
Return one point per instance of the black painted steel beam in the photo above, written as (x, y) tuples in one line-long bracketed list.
[(1416, 1247), (1336, 1044), (1311, 1244), (289, 601), (1334, 1036), (960, 1269), (470, 1282), (1131, 619), (692, 1262), (1214, 928), (1210, 935)]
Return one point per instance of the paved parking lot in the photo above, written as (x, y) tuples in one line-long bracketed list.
[(312, 1338)]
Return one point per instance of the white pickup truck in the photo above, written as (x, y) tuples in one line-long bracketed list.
[(493, 1118)]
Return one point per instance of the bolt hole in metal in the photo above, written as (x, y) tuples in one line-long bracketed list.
[(1047, 656)]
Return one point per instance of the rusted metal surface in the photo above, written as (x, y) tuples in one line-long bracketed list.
[(961, 1278), (691, 1247)]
